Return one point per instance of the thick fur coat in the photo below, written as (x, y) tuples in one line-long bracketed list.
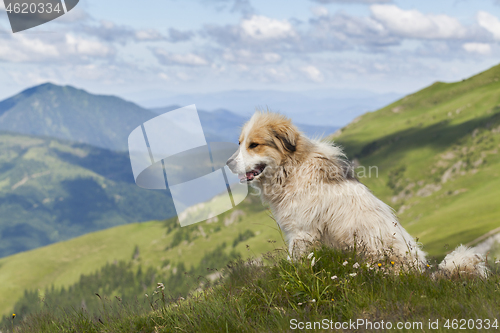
[(314, 195)]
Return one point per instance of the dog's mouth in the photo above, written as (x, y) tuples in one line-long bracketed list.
[(251, 175)]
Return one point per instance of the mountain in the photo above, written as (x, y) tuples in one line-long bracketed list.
[(52, 190), (224, 125), (65, 112), (327, 107), (69, 113), (434, 158), (163, 245)]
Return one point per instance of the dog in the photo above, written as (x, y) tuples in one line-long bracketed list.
[(314, 195)]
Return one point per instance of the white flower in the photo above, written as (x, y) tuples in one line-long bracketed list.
[(353, 274), (146, 295), (160, 286), (313, 301), (334, 277), (368, 265), (299, 303), (345, 263), (309, 256), (313, 261), (497, 262), (356, 265)]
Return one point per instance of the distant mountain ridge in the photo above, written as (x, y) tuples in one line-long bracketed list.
[(65, 112), (224, 125), (68, 113), (331, 107)]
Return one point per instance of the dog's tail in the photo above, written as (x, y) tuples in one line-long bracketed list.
[(464, 261)]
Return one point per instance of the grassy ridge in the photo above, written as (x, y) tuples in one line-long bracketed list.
[(61, 264), (329, 287), (437, 157)]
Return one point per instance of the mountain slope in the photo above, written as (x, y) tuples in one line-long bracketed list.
[(436, 152), (52, 190), (160, 244), (68, 113)]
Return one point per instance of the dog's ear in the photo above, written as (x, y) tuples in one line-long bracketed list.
[(286, 136)]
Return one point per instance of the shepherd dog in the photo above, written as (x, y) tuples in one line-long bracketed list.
[(315, 197)]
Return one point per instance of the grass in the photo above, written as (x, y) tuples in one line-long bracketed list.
[(61, 264), (418, 134), (329, 287)]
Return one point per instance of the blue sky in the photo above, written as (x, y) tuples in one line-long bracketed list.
[(153, 48)]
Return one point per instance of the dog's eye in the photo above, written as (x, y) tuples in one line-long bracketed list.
[(253, 145), (239, 143)]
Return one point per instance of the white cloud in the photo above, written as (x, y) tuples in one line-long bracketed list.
[(414, 24), (480, 48), (148, 35), (265, 28), (249, 57), (312, 73), (24, 48), (87, 47), (319, 11), (490, 23), (187, 59)]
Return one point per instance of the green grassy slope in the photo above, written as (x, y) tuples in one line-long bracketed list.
[(437, 157), (52, 190), (62, 264)]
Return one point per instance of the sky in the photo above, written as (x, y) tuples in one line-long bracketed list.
[(150, 48)]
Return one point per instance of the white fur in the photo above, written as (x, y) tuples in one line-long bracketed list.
[(340, 213)]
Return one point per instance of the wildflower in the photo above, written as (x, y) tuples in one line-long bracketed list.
[(392, 263), (299, 303), (309, 256), (355, 266), (146, 295), (353, 274), (428, 266), (345, 263), (160, 286), (334, 277), (368, 265), (496, 262), (313, 262), (333, 300), (379, 265), (13, 315), (313, 300)]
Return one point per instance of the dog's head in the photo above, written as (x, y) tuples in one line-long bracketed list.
[(267, 140)]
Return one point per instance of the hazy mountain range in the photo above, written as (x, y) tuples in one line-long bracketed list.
[(73, 114), (334, 108)]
